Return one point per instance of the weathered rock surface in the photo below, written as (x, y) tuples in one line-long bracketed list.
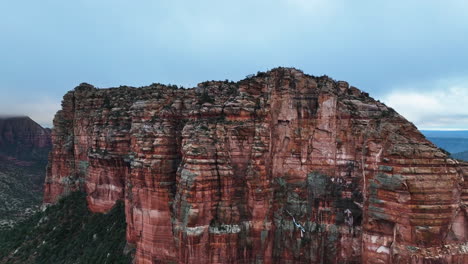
[(281, 167)]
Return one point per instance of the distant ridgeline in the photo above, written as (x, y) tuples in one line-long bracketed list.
[(23, 139), (455, 142), (24, 146)]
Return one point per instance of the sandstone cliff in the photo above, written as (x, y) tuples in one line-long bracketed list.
[(281, 167)]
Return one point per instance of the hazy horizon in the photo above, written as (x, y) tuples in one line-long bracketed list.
[(410, 55)]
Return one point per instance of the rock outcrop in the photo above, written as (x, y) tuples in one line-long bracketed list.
[(281, 167)]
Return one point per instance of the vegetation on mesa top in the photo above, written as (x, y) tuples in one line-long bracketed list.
[(67, 233)]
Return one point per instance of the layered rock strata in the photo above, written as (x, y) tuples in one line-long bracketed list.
[(281, 167)]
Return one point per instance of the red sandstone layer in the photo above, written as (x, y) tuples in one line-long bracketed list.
[(281, 167)]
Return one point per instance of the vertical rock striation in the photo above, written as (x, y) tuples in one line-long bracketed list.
[(281, 167)]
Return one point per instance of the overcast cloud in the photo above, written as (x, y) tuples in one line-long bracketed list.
[(409, 54), (434, 104)]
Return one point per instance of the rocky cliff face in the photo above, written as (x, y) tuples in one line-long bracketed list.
[(281, 167)]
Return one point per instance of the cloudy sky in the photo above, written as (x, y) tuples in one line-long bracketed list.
[(412, 55)]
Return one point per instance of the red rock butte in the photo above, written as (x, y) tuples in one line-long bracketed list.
[(281, 167)]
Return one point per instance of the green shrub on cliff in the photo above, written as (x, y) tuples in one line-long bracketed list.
[(20, 190), (67, 233)]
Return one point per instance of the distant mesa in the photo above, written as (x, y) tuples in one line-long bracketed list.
[(454, 142), (461, 155), (23, 138), (24, 147)]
